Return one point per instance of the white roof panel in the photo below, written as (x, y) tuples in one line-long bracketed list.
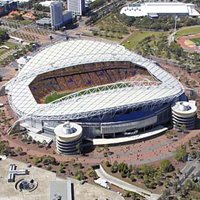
[(155, 8)]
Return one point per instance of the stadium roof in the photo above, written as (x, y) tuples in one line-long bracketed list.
[(75, 106), (154, 9)]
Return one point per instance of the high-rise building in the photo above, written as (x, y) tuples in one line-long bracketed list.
[(76, 6), (56, 10), (6, 6)]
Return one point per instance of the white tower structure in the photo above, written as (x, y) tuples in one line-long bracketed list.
[(184, 114), (68, 137)]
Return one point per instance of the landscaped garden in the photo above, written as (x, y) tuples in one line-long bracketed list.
[(135, 40), (117, 31)]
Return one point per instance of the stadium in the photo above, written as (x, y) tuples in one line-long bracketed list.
[(110, 92)]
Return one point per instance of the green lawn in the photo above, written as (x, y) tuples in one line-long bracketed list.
[(111, 28), (136, 37), (2, 51), (54, 96), (9, 44), (196, 41), (188, 31)]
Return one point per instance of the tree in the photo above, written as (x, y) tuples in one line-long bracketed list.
[(37, 160), (166, 166), (108, 163), (4, 148), (189, 143), (80, 175), (62, 168), (44, 143), (114, 167), (181, 154), (189, 185), (48, 160), (93, 174), (132, 178), (79, 148), (148, 170), (19, 150), (3, 36), (165, 195), (106, 148), (29, 138)]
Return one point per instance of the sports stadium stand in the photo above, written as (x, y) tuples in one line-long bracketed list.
[(81, 77)]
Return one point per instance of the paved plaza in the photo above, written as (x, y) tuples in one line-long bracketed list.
[(42, 192)]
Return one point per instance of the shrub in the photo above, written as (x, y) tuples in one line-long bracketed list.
[(166, 166)]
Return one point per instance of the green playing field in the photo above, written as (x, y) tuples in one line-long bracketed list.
[(196, 41)]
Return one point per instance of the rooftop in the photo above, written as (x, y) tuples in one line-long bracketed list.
[(152, 8)]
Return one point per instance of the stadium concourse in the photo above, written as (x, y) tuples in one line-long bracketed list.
[(109, 91)]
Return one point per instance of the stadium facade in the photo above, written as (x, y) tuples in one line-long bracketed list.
[(109, 91)]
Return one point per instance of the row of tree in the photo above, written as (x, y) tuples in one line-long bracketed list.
[(164, 23), (150, 175)]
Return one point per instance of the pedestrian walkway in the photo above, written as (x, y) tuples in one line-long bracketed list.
[(155, 131)]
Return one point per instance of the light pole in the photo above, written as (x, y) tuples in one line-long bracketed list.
[(175, 23)]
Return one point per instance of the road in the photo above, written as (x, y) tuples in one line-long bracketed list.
[(190, 169), (171, 38), (126, 186)]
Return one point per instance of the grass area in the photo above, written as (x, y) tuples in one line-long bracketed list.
[(188, 31), (138, 36), (2, 51), (117, 26), (196, 41), (26, 22), (115, 32), (8, 44), (54, 96), (11, 45)]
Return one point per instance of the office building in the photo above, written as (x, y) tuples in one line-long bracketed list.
[(56, 10), (76, 6), (7, 6)]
